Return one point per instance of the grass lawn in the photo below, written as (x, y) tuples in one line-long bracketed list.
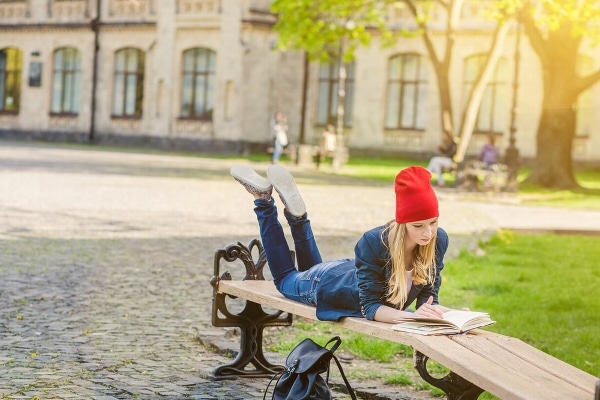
[(587, 197)]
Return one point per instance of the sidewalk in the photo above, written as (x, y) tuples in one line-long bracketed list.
[(105, 261)]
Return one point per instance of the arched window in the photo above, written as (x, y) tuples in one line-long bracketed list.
[(198, 84), (406, 92), (128, 84), (328, 94), (11, 65), (494, 108), (584, 104), (66, 81)]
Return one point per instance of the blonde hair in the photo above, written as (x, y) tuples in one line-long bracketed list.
[(423, 263)]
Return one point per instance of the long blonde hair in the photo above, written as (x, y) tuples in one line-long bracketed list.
[(423, 262)]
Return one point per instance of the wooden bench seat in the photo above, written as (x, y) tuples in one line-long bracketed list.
[(479, 361)]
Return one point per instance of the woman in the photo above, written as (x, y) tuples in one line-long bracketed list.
[(279, 135), (394, 265)]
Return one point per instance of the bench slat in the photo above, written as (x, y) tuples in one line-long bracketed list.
[(503, 366), (525, 362), (548, 363), (506, 383)]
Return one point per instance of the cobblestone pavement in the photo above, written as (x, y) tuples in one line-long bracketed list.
[(105, 259)]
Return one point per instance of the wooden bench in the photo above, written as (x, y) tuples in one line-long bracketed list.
[(478, 361)]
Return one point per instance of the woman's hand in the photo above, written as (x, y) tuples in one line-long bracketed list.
[(429, 310)]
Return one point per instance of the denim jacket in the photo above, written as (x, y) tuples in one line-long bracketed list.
[(357, 288)]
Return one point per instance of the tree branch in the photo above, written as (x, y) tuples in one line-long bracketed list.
[(587, 81), (537, 41), (411, 4)]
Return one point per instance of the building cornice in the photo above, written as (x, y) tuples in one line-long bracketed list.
[(74, 25)]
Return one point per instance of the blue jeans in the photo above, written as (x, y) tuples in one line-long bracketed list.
[(295, 284), (277, 150)]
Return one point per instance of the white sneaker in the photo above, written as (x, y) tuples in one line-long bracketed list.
[(253, 182), (285, 185)]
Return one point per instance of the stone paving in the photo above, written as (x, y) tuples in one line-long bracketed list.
[(105, 259)]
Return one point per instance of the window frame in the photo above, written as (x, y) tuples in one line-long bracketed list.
[(330, 82), (498, 116), (11, 70), (207, 74), (137, 73), (584, 106), (64, 74), (420, 83)]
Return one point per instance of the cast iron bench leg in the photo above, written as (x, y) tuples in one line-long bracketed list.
[(251, 320), (455, 387)]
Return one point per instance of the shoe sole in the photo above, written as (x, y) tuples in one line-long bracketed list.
[(250, 177), (283, 182)]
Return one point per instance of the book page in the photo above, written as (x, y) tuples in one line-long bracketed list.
[(462, 318), (424, 329), (458, 319)]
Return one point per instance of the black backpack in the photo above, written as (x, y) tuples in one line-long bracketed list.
[(302, 380)]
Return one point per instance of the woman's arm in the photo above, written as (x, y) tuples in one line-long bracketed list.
[(371, 257), (391, 315)]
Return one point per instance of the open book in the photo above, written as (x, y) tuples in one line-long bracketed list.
[(453, 322)]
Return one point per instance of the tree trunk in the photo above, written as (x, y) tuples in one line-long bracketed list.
[(339, 155), (445, 101), (553, 164), (558, 52), (478, 89)]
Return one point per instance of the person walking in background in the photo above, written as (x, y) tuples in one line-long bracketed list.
[(394, 265), (278, 135), (438, 164)]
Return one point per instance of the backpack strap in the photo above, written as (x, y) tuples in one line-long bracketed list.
[(336, 340), (278, 376), (350, 391)]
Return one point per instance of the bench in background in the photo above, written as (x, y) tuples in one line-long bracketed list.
[(475, 176)]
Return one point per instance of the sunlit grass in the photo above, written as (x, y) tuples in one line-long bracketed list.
[(384, 169), (587, 197)]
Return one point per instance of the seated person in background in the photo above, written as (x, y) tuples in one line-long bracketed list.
[(327, 144), (488, 156), (447, 150), (489, 152)]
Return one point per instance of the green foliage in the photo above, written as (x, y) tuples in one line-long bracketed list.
[(323, 27), (580, 15)]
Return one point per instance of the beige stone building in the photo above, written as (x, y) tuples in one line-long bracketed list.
[(204, 75)]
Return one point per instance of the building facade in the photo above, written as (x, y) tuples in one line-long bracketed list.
[(205, 75)]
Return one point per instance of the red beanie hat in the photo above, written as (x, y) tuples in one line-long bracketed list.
[(415, 198)]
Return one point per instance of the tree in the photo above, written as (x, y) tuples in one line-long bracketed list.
[(501, 12), (327, 29), (331, 30), (556, 30)]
